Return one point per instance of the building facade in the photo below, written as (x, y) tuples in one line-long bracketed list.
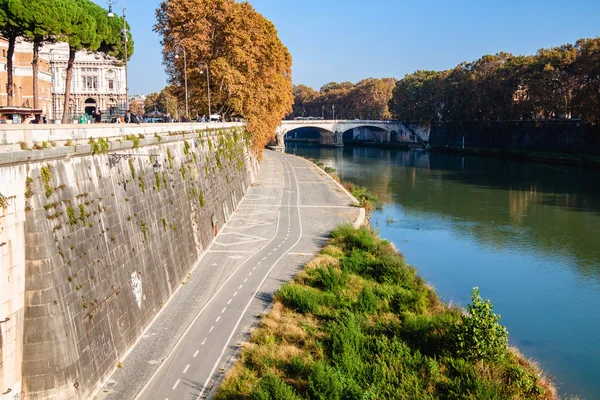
[(98, 83), (23, 78)]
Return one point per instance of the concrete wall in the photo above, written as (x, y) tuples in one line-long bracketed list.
[(553, 136), (93, 252)]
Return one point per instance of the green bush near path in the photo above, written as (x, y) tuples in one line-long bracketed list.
[(359, 323)]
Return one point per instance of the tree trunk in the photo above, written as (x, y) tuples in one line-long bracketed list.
[(66, 116), (9, 66), (35, 64)]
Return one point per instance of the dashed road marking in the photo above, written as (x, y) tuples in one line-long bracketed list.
[(211, 329), (186, 368), (223, 310), (218, 318), (202, 344), (198, 351), (239, 288), (175, 385), (229, 302), (250, 274), (235, 294), (245, 280)]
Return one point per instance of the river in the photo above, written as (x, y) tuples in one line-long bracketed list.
[(527, 234)]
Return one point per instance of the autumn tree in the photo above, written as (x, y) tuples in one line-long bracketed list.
[(249, 67), (164, 102)]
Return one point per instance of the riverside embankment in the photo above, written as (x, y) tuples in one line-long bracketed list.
[(99, 226), (525, 233)]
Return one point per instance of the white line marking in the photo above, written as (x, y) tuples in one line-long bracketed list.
[(249, 302), (250, 274), (253, 268), (245, 280), (218, 318), (198, 351), (270, 253), (191, 325), (211, 329), (258, 263), (239, 288), (264, 258), (175, 385), (186, 368), (202, 344), (229, 302), (223, 310), (235, 294)]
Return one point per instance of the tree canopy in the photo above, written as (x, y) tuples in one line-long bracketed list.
[(367, 99), (560, 82), (250, 69)]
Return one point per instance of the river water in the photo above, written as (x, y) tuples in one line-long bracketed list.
[(527, 234)]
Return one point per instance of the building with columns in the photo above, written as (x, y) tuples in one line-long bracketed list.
[(98, 83)]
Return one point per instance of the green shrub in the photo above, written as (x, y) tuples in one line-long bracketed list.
[(479, 336), (325, 382), (271, 387), (367, 301), (328, 278), (302, 299)]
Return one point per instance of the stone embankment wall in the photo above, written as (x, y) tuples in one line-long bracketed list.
[(552, 136), (91, 251)]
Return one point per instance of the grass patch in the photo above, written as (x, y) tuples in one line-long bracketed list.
[(358, 322)]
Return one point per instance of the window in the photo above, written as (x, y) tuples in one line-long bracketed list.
[(111, 85), (90, 83), (3, 52)]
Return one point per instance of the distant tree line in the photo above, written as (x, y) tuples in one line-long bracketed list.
[(367, 99), (82, 24), (249, 67), (561, 82)]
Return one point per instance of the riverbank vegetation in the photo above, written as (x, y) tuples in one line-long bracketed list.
[(367, 99), (357, 322), (239, 50), (560, 82)]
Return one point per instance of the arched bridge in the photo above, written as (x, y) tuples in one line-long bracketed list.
[(335, 132)]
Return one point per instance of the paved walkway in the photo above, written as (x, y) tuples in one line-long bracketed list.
[(283, 220)]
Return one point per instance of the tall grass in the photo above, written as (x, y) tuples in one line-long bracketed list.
[(359, 323)]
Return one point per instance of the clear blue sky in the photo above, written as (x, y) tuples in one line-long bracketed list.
[(348, 40)]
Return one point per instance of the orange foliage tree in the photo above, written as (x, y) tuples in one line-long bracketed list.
[(250, 69)]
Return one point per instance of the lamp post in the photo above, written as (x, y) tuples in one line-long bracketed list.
[(202, 63), (125, 40), (180, 46)]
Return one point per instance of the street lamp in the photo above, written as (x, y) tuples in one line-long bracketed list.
[(202, 63), (180, 46), (125, 40)]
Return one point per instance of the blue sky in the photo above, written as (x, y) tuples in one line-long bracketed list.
[(348, 40)]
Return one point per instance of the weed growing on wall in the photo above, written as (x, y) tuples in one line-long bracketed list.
[(170, 159), (134, 139), (46, 176), (3, 201), (99, 147), (132, 168), (72, 216), (186, 147), (157, 180)]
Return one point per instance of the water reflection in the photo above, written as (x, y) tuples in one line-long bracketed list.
[(527, 232)]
